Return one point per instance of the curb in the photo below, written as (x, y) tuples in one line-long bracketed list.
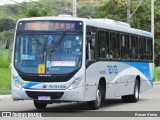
[(156, 83), (2, 97)]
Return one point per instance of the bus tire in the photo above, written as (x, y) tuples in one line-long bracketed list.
[(135, 96), (40, 105), (95, 105)]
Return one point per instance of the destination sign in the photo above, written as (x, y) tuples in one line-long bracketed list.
[(50, 25)]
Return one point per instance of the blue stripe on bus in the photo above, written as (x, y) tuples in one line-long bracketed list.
[(28, 84), (31, 84), (145, 68)]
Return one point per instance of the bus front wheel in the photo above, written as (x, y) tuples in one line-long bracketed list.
[(39, 105), (95, 105)]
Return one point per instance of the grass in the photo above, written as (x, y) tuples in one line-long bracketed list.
[(4, 60), (5, 80), (5, 92), (5, 74), (157, 74)]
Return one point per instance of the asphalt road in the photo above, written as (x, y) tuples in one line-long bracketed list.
[(149, 101)]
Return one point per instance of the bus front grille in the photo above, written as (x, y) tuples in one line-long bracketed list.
[(53, 95)]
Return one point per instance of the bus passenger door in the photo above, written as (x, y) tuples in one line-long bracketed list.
[(91, 73), (90, 51)]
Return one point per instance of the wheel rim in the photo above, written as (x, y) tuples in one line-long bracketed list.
[(136, 91), (98, 96)]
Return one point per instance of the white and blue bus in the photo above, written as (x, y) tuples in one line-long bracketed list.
[(66, 59)]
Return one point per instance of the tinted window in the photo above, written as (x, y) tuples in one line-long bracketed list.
[(142, 48), (91, 50), (134, 47), (149, 49), (114, 45), (125, 46), (103, 44)]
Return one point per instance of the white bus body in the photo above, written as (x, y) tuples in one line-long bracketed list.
[(115, 77)]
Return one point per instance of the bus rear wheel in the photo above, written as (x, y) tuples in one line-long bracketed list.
[(40, 105), (95, 105), (135, 96)]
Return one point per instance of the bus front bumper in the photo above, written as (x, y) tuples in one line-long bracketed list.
[(54, 95)]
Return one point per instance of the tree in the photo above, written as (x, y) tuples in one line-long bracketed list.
[(6, 34), (113, 9), (6, 24), (37, 12), (87, 10), (31, 12), (116, 10), (157, 32), (142, 20)]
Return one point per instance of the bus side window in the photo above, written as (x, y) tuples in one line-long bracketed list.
[(149, 49), (114, 46), (134, 47), (125, 46), (103, 44), (142, 48), (90, 47), (90, 52)]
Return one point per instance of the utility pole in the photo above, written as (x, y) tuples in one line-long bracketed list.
[(128, 11), (129, 15), (74, 8), (152, 21), (152, 17)]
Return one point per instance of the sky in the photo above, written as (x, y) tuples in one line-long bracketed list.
[(2, 2)]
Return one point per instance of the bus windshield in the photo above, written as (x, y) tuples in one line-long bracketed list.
[(55, 53)]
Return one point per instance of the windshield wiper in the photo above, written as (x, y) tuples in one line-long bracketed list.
[(39, 44), (36, 38), (58, 41)]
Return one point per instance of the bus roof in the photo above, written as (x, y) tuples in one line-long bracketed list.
[(99, 23)]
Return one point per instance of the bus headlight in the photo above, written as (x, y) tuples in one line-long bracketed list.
[(75, 83), (17, 82)]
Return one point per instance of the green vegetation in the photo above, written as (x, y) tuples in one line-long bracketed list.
[(5, 80), (5, 92), (7, 24), (5, 73), (37, 12), (4, 61), (157, 74)]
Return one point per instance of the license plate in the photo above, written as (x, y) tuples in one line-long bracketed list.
[(44, 98)]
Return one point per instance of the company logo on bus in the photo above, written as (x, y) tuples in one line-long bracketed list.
[(44, 86)]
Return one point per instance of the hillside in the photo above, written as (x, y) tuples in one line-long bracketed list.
[(13, 12), (60, 6)]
